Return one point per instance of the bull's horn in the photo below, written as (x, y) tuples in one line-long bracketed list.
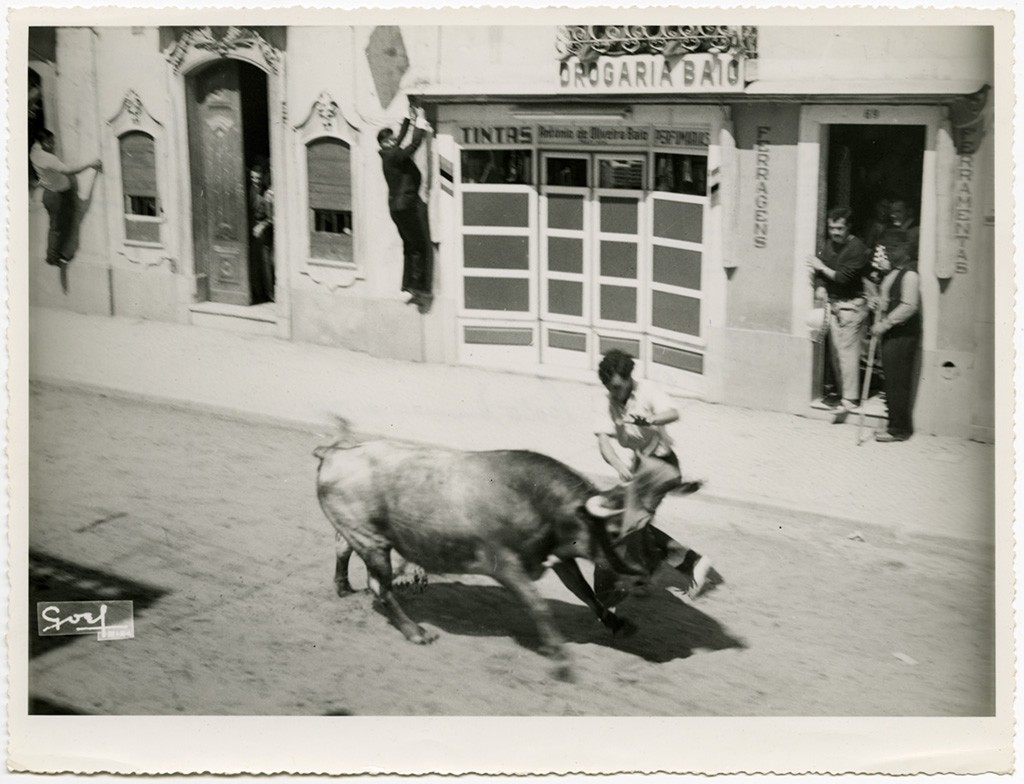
[(597, 506)]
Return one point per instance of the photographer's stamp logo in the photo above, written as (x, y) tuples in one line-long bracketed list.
[(108, 620)]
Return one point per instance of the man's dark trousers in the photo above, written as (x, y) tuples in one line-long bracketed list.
[(414, 229), (61, 208), (898, 358)]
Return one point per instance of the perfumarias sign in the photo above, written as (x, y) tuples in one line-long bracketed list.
[(696, 73)]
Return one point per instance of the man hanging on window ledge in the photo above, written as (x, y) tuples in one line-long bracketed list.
[(60, 197), (408, 210)]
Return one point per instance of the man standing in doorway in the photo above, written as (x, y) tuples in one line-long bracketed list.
[(60, 196), (838, 270), (407, 209), (900, 324), (898, 241), (261, 217)]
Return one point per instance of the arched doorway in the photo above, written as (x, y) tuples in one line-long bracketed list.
[(229, 135)]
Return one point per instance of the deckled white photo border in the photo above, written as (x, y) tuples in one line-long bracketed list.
[(424, 745)]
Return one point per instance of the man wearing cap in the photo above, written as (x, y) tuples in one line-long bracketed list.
[(635, 413), (408, 210)]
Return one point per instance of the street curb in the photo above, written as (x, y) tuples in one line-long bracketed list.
[(325, 428)]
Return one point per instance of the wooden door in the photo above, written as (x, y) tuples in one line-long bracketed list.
[(219, 207)]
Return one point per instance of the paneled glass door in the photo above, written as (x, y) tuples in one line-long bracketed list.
[(619, 230), (601, 250), (592, 224), (676, 289), (565, 249)]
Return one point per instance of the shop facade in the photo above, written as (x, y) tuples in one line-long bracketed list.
[(653, 189), (583, 235)]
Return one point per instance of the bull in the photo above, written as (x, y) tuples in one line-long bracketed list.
[(504, 514)]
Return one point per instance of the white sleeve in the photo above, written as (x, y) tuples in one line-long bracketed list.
[(659, 401), (42, 159), (602, 418)]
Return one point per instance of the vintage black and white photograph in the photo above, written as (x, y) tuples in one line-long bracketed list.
[(437, 367)]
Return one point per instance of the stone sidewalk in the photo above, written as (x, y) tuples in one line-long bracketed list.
[(806, 467)]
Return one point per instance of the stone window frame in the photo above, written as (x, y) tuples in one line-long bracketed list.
[(326, 120), (133, 117), (311, 233)]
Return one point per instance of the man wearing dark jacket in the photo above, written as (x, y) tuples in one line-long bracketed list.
[(839, 269), (408, 210)]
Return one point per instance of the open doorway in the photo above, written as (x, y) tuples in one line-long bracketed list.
[(232, 209), (868, 167), (36, 118)]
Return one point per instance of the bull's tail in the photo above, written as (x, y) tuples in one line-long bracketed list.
[(345, 438)]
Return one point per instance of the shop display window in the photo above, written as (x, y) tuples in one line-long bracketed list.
[(497, 167), (625, 173), (566, 172), (678, 173)]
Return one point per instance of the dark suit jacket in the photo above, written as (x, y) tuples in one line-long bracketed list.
[(402, 175)]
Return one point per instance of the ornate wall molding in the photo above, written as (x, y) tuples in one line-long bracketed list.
[(588, 42), (235, 41), (133, 105), (327, 114), (133, 115), (327, 109)]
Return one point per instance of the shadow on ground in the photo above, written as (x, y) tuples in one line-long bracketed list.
[(40, 706), (52, 579), (668, 628)]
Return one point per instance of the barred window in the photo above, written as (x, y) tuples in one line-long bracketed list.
[(329, 166), (142, 211)]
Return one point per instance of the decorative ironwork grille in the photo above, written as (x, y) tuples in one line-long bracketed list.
[(588, 42)]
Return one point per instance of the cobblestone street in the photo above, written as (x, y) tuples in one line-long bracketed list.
[(211, 526)]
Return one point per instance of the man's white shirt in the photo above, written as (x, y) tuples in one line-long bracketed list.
[(52, 170), (646, 400)]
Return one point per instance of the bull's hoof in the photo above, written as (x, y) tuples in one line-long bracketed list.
[(342, 587), (622, 628), (412, 579), (422, 636), (640, 592), (564, 672)]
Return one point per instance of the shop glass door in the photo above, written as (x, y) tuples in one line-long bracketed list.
[(619, 222), (565, 248), (591, 255), (675, 310)]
